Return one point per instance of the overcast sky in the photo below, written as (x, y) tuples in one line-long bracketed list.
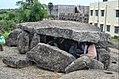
[(8, 4)]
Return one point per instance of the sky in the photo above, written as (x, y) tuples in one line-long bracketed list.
[(9, 4)]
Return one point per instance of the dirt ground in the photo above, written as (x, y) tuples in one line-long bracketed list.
[(31, 72)]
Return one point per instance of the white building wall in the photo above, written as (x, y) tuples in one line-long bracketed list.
[(109, 17)]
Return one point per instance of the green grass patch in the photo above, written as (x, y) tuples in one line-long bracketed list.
[(115, 41), (6, 34)]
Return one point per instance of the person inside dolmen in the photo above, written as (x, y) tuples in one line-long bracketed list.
[(86, 58), (89, 49), (53, 42), (75, 51), (83, 48)]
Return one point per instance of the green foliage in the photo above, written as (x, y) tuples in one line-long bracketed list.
[(116, 37), (115, 40), (7, 20), (3, 11), (7, 25), (6, 34), (50, 6), (28, 11), (31, 11)]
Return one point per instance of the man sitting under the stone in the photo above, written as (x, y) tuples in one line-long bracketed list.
[(88, 49), (53, 42), (86, 60), (74, 50), (83, 48)]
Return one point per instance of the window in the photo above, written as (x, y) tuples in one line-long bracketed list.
[(91, 12), (102, 12), (91, 23), (96, 12), (104, 0), (108, 28), (101, 27), (117, 30), (117, 13)]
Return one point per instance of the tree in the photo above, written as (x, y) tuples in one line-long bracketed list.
[(29, 1), (31, 11), (8, 21), (50, 6)]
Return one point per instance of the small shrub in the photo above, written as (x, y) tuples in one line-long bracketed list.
[(115, 37), (6, 34)]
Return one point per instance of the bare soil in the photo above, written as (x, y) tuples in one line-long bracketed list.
[(31, 72)]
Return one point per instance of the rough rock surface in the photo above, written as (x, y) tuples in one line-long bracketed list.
[(84, 62), (50, 57), (66, 29), (114, 53), (105, 45), (114, 60), (114, 63), (30, 72), (104, 57), (23, 42), (35, 40), (95, 64), (91, 74), (78, 64), (114, 67), (12, 38), (16, 62)]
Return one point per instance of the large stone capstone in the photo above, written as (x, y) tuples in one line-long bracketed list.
[(50, 57), (66, 29)]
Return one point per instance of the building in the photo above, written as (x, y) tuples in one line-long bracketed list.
[(71, 12), (58, 9), (84, 9), (105, 15)]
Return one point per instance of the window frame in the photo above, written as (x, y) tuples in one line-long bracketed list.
[(102, 13), (96, 12), (117, 32), (91, 12), (101, 27), (117, 13), (91, 23), (108, 28)]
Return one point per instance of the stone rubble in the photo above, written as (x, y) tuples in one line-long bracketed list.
[(53, 58), (50, 57)]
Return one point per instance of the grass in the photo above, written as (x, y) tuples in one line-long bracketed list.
[(6, 34), (115, 41)]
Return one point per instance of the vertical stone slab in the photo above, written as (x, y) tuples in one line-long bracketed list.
[(35, 40), (12, 38), (23, 42)]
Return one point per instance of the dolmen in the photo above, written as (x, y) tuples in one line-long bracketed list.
[(35, 40)]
